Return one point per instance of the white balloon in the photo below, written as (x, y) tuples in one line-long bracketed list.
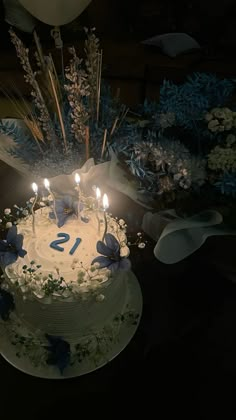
[(55, 12)]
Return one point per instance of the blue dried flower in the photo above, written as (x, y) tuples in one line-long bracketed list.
[(227, 184), (59, 352), (6, 304), (111, 258), (11, 248)]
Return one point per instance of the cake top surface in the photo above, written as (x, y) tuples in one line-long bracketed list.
[(68, 248)]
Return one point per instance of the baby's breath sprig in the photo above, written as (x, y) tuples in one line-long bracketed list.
[(139, 241), (31, 270), (30, 273), (11, 217), (56, 284)]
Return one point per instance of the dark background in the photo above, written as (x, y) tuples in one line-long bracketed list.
[(212, 23), (121, 25)]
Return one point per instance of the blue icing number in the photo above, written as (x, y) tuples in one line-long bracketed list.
[(64, 238), (75, 246)]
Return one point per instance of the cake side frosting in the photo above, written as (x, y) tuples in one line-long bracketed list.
[(71, 320)]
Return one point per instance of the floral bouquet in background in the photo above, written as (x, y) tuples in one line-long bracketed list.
[(222, 157), (179, 152), (72, 115), (184, 151)]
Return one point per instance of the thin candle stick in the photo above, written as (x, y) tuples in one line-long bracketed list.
[(32, 212), (105, 226), (47, 186), (77, 180), (35, 189), (105, 207), (98, 195)]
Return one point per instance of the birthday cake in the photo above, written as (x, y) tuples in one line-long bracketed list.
[(65, 282)]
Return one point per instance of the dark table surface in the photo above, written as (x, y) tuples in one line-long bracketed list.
[(186, 340)]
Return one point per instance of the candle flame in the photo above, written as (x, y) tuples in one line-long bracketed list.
[(46, 183), (35, 187), (77, 178), (105, 202), (98, 193)]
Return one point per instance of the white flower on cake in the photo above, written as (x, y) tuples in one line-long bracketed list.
[(7, 211), (113, 226), (25, 212), (124, 251), (96, 265), (122, 238)]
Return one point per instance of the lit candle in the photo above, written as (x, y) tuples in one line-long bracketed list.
[(47, 186), (35, 189), (77, 181), (105, 204), (98, 196)]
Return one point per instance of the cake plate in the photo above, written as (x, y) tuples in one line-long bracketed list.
[(126, 332)]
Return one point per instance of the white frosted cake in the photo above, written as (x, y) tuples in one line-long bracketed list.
[(71, 284)]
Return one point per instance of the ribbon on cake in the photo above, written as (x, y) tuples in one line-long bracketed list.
[(178, 238)]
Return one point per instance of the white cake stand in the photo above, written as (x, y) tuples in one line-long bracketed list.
[(126, 333)]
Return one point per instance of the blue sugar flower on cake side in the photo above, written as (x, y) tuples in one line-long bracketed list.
[(11, 248), (59, 352), (6, 304), (110, 258)]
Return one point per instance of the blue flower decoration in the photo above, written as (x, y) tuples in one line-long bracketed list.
[(11, 248), (65, 207), (6, 304), (59, 352), (110, 251)]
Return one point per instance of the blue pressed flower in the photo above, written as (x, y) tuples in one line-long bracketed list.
[(59, 352), (65, 207), (6, 304), (110, 251), (11, 248)]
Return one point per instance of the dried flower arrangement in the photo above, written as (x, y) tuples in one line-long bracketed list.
[(72, 117), (181, 151)]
